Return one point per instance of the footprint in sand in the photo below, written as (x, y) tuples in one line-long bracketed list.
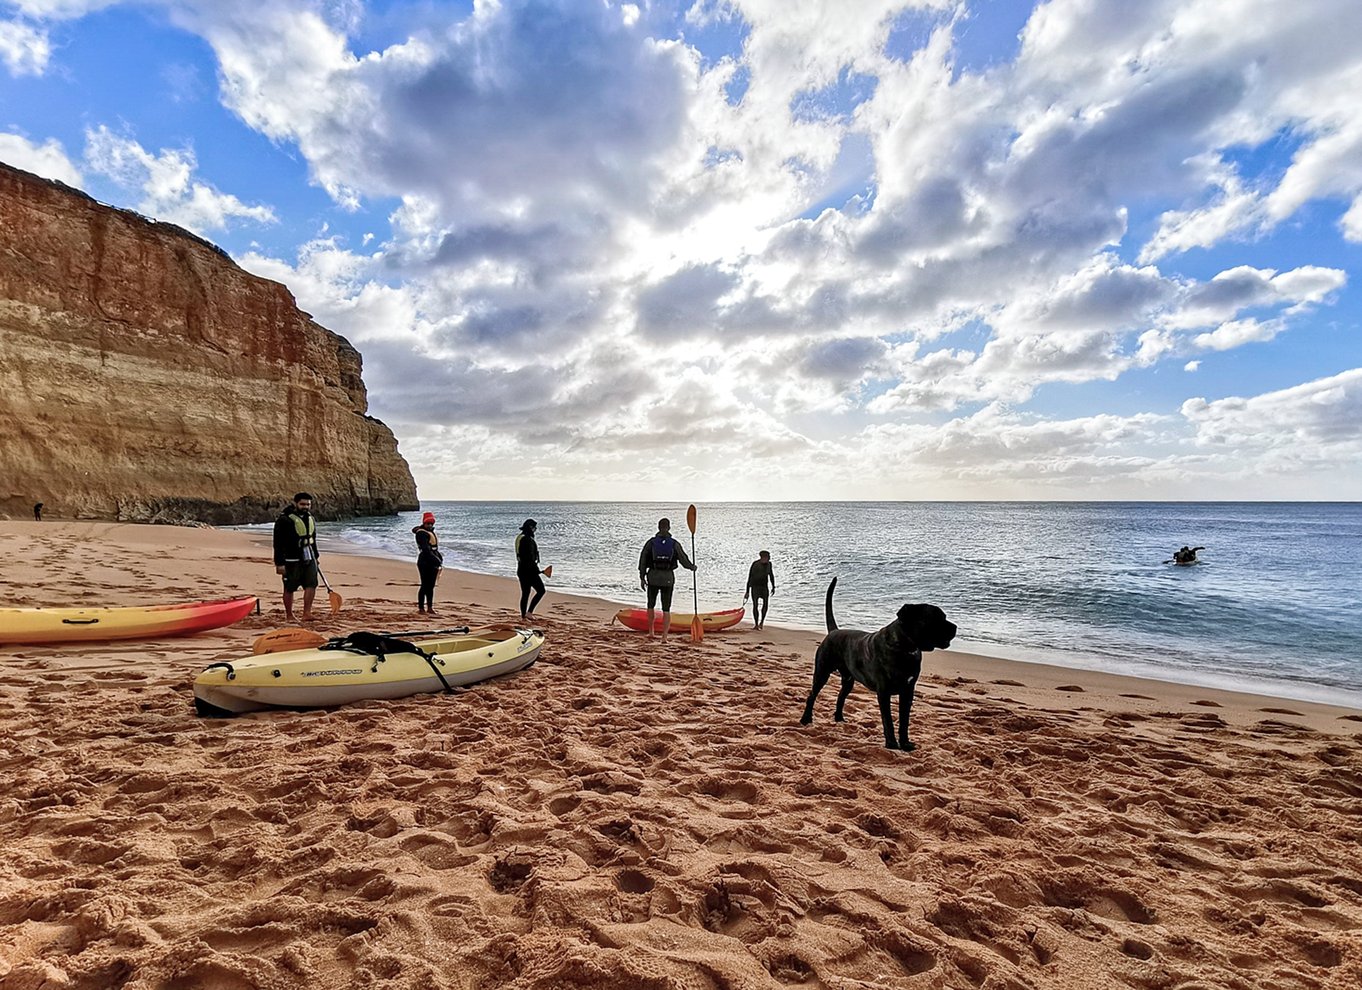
[(1282, 711), (1070, 687), (1208, 704)]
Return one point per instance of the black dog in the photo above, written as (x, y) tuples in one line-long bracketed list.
[(888, 662)]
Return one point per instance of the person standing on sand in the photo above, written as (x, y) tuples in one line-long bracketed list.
[(38, 512), (295, 553), (527, 568), (429, 562), (657, 572), (761, 585)]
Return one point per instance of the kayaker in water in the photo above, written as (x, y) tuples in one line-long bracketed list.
[(527, 569), (1186, 555), (657, 565), (429, 562), (295, 553), (761, 584)]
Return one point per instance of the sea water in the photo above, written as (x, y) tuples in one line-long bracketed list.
[(1274, 606)]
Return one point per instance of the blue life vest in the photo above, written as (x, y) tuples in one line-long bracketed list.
[(664, 553)]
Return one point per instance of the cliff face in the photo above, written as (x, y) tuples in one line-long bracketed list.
[(144, 376)]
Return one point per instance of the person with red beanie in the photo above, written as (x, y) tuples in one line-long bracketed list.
[(429, 562)]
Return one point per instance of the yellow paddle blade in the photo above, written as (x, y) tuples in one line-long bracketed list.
[(336, 600), (697, 629), (548, 571), (283, 640)]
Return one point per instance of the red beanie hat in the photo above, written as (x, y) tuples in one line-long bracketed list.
[(429, 517)]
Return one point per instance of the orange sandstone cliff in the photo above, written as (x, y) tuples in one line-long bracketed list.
[(145, 376)]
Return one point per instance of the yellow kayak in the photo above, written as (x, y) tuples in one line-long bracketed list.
[(73, 625), (363, 666)]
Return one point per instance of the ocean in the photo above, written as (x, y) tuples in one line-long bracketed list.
[(1274, 606)]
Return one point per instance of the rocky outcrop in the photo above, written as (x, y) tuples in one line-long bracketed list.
[(145, 376)]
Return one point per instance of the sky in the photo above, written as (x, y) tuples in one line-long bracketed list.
[(767, 249)]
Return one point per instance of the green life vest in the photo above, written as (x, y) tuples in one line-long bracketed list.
[(306, 530)]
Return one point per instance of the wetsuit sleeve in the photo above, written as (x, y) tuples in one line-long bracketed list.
[(645, 558), (681, 556), (771, 573), (283, 533)]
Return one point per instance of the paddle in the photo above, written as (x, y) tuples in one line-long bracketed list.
[(697, 627), (332, 596), (282, 640), (547, 571)]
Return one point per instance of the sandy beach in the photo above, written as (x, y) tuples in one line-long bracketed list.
[(627, 816)]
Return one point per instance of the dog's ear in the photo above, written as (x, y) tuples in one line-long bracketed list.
[(927, 625)]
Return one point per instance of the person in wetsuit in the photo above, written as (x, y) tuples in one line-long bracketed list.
[(1186, 555), (295, 553), (657, 564), (429, 562), (761, 584), (38, 512), (527, 569)]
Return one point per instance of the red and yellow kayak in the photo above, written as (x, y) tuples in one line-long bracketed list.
[(72, 625), (637, 618)]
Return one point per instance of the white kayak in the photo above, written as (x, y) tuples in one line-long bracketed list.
[(363, 666)]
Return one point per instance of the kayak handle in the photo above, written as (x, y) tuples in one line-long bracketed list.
[(79, 622), (231, 673)]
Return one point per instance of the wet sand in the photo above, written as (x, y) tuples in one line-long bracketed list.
[(626, 816)]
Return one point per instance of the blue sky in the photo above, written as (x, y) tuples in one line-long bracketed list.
[(748, 248)]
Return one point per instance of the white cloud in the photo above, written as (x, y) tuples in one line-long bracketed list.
[(1191, 366), (47, 159), (24, 50), (1316, 423), (169, 190)]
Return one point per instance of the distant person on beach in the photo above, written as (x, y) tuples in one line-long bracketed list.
[(527, 569), (38, 512), (761, 584), (295, 553), (657, 565), (429, 562), (1186, 555)]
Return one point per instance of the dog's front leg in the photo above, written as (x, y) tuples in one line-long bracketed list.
[(905, 712), (887, 717)]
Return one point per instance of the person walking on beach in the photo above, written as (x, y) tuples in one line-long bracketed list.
[(761, 584), (429, 562), (527, 569), (38, 512), (295, 553), (657, 565)]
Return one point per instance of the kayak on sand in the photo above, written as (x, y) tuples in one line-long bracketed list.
[(637, 619), (74, 625), (361, 667)]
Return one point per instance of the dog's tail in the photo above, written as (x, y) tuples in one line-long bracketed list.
[(832, 623)]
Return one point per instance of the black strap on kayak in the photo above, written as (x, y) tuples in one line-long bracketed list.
[(231, 673), (379, 646)]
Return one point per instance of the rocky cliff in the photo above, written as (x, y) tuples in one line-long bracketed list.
[(144, 376)]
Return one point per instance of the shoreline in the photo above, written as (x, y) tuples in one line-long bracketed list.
[(622, 815), (371, 572), (1306, 694)]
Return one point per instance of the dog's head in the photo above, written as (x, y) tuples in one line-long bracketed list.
[(927, 626)]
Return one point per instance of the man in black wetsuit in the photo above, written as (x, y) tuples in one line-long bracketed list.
[(657, 565), (761, 584), (38, 512), (295, 553)]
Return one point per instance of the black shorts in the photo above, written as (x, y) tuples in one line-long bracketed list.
[(300, 574), (763, 594), (666, 593)]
